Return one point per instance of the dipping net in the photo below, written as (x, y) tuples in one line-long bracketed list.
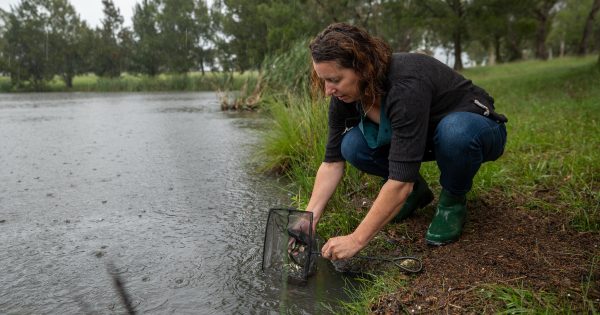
[(290, 248)]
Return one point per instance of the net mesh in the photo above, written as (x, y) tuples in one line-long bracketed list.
[(290, 249)]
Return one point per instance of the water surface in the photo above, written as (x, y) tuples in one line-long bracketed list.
[(160, 184)]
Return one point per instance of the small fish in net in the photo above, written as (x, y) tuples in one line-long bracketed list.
[(289, 245), (291, 249)]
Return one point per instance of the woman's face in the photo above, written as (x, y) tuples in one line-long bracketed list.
[(342, 83)]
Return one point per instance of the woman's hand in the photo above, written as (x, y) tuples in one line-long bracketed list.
[(341, 247)]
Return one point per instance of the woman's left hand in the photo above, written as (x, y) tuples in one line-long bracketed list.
[(341, 247)]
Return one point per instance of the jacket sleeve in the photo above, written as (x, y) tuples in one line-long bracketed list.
[(408, 105), (337, 126)]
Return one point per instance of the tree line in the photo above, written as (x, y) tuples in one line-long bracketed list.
[(42, 39)]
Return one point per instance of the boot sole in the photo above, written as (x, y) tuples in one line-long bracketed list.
[(434, 243)]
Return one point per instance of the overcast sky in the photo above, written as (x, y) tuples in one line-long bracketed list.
[(89, 10)]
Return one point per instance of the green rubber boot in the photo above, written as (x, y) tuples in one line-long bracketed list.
[(420, 197), (448, 221)]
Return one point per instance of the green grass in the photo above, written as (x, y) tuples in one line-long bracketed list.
[(368, 291), (194, 81), (553, 135), (551, 162)]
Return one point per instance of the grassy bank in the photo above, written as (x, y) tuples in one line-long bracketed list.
[(194, 81), (550, 166)]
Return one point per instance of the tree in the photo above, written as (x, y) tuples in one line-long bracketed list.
[(543, 12), (3, 59), (27, 40), (42, 40), (108, 53), (565, 35), (587, 30), (180, 33), (147, 56), (397, 23), (449, 19), (203, 52), (492, 20), (244, 32), (66, 27)]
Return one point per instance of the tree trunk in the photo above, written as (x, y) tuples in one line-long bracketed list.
[(543, 14), (540, 37), (497, 48), (459, 29), (491, 56), (68, 79), (587, 30), (458, 65)]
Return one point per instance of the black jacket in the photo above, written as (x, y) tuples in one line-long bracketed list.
[(420, 91)]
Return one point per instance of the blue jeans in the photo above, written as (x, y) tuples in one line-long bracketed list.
[(461, 143)]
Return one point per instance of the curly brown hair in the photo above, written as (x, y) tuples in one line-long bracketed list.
[(352, 47)]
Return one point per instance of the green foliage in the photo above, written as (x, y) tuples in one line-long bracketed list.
[(261, 28), (288, 73), (147, 55), (181, 29), (108, 55), (42, 39), (568, 26), (171, 36)]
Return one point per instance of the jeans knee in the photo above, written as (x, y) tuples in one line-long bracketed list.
[(452, 136), (352, 145)]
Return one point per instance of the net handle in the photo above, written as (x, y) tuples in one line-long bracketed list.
[(395, 260)]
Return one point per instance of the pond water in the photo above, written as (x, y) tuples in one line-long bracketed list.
[(159, 184)]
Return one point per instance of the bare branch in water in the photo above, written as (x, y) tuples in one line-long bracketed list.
[(120, 287)]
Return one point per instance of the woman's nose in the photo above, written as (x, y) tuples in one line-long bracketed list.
[(329, 89)]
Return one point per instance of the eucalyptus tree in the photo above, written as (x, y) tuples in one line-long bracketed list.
[(65, 39), (147, 56), (588, 28), (398, 22), (567, 27), (450, 21), (108, 53), (26, 49), (502, 28), (3, 59), (543, 12), (183, 25), (203, 52), (42, 40), (243, 32)]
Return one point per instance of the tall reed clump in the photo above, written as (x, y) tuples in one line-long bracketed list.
[(288, 73)]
